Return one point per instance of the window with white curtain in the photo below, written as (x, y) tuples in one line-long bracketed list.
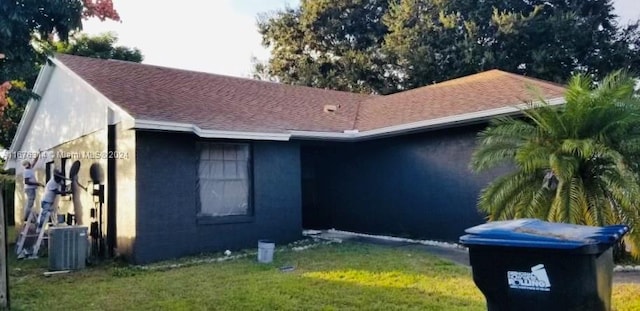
[(224, 179)]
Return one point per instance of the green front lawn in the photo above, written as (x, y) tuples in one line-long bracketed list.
[(328, 277)]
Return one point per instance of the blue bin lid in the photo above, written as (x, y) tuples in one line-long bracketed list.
[(536, 233)]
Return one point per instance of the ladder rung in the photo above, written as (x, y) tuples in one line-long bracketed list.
[(35, 235)]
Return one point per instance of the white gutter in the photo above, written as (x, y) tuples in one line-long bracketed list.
[(461, 119), (192, 128), (312, 135)]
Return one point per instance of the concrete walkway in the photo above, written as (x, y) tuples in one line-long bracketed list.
[(458, 255)]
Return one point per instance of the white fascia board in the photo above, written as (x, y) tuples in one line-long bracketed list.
[(312, 135), (112, 105), (192, 128), (44, 76), (461, 119)]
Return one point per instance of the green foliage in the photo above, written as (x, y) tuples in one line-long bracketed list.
[(5, 178), (100, 46), (575, 163), (27, 30), (377, 46), (328, 44), (10, 118), (24, 21)]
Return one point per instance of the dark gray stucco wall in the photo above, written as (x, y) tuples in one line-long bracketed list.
[(415, 185), (166, 221)]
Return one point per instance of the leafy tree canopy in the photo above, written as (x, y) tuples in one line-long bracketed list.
[(27, 27), (26, 23), (100, 46), (381, 46)]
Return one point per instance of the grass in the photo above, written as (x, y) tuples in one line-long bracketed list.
[(328, 277)]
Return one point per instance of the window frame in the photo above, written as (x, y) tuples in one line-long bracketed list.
[(63, 170), (48, 171), (228, 219)]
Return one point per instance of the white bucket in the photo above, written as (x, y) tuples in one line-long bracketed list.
[(265, 251)]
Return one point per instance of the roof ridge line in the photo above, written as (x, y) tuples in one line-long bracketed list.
[(443, 82), (526, 78)]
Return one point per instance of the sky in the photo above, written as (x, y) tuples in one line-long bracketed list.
[(218, 36)]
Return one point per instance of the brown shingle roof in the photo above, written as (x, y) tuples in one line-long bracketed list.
[(215, 102), (483, 91)]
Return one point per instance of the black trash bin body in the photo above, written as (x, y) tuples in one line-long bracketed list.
[(528, 264)]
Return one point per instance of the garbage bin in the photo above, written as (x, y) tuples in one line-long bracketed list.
[(528, 264)]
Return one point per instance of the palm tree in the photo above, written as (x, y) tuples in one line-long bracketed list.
[(576, 163)]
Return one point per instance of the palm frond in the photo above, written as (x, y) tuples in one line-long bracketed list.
[(499, 143), (540, 205), (578, 163), (500, 197), (531, 157)]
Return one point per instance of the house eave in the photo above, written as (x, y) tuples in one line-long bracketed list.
[(347, 135), (433, 124), (204, 133)]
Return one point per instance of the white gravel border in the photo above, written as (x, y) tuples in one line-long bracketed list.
[(306, 244), (311, 233), (296, 246), (621, 268)]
